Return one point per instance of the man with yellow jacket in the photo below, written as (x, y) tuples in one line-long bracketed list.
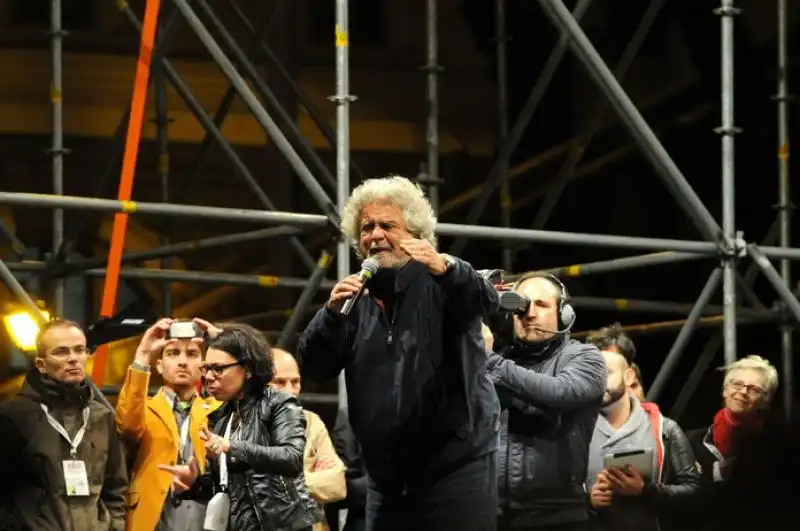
[(165, 428)]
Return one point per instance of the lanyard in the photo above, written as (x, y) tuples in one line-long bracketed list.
[(184, 428), (223, 459), (73, 443)]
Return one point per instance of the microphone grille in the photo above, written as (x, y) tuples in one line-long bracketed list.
[(370, 264)]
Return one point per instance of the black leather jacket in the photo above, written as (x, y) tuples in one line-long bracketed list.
[(265, 458)]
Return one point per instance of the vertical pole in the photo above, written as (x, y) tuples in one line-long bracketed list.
[(784, 200), (57, 150), (727, 131), (432, 69), (342, 100), (502, 121), (162, 132)]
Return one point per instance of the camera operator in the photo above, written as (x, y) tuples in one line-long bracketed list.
[(550, 389)]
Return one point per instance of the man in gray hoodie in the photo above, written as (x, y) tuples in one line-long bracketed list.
[(621, 499)]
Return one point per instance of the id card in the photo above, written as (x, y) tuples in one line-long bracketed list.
[(75, 478), (217, 512)]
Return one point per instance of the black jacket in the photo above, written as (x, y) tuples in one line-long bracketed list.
[(550, 400), (668, 503), (418, 395), (265, 457), (349, 451)]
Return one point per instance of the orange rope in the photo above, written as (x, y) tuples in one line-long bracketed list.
[(141, 82)]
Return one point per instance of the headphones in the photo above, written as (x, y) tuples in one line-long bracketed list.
[(566, 312)]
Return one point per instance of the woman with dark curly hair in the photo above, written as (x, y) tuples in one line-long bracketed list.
[(255, 446)]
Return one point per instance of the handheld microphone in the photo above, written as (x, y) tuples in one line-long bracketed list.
[(368, 269), (511, 301)]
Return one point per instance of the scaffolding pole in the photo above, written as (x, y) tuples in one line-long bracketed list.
[(432, 70), (260, 114), (226, 103), (342, 99), (711, 321), (668, 307), (176, 249), (727, 132), (581, 144), (633, 121), (180, 275), (57, 150), (317, 221), (208, 125), (313, 112), (785, 205), (162, 132), (713, 344), (676, 352), (289, 128), (774, 278), (505, 151), (615, 265), (78, 225), (501, 43)]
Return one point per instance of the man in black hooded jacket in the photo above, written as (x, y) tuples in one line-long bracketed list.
[(550, 390), (419, 400)]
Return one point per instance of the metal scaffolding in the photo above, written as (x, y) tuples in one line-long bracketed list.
[(720, 242)]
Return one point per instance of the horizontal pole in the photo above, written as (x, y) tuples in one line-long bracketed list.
[(163, 209), (317, 221), (190, 246), (573, 238), (613, 265), (179, 275), (671, 326), (648, 306)]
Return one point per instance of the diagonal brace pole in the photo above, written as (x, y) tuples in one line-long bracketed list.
[(267, 123), (226, 103), (520, 124), (201, 115), (774, 278), (313, 111), (637, 126), (678, 347), (713, 344), (581, 144), (267, 96)]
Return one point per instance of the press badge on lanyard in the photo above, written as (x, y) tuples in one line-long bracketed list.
[(76, 480), (218, 510)]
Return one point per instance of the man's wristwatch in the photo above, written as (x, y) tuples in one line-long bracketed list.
[(449, 261)]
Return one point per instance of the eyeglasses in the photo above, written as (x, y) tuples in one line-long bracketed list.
[(754, 390), (217, 369)]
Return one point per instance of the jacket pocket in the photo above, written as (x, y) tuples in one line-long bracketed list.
[(131, 500)]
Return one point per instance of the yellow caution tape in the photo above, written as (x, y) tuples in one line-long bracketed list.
[(268, 281)]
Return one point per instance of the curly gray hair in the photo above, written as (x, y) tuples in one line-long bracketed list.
[(407, 195)]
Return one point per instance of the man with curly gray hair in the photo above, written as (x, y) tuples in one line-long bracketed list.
[(419, 401)]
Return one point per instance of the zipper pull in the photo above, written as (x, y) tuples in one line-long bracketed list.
[(389, 338)]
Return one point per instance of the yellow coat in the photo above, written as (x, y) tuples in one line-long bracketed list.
[(150, 422)]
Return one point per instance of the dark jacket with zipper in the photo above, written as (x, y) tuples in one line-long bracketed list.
[(265, 464), (419, 399), (34, 492), (550, 394)]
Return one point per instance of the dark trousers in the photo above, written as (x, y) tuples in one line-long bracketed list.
[(463, 499)]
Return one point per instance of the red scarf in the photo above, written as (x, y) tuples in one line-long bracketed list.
[(726, 423)]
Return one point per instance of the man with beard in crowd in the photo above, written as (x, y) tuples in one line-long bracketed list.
[(622, 499), (550, 388)]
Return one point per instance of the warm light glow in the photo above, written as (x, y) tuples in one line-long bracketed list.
[(23, 329)]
